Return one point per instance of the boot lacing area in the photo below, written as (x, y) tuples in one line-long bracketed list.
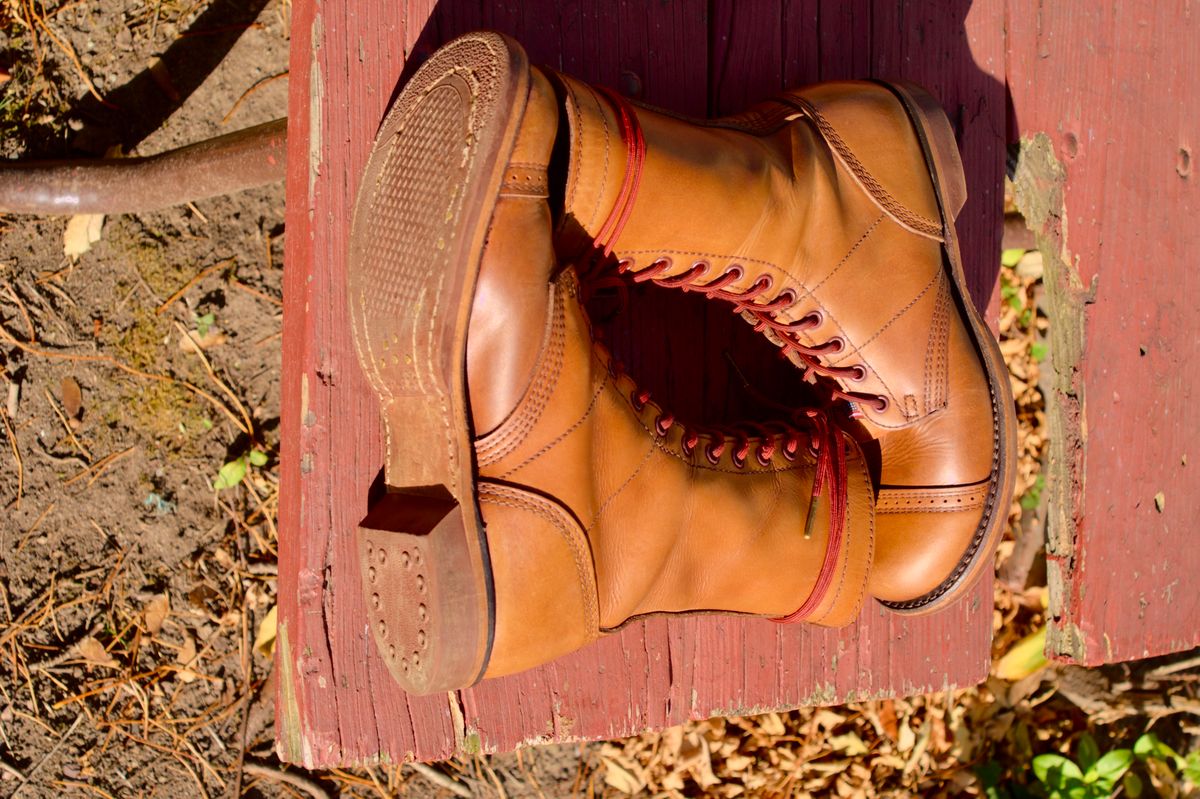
[(825, 442)]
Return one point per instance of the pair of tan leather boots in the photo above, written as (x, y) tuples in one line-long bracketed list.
[(537, 498)]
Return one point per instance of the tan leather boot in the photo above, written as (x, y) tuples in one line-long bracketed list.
[(825, 218), (536, 497)]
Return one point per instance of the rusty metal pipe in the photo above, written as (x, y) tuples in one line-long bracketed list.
[(241, 160)]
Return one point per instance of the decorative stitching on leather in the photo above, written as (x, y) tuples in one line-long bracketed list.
[(907, 218), (866, 234), (936, 356), (604, 505), (514, 430), (932, 500), (576, 142), (525, 180), (910, 407), (488, 492), (895, 316), (561, 436), (591, 225)]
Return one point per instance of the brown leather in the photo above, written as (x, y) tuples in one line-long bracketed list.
[(594, 513), (828, 192)]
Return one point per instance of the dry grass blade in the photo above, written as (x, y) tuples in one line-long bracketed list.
[(295, 780), (62, 417), (113, 362), (69, 52), (97, 468), (53, 751), (248, 427), (203, 273), (16, 451), (253, 88), (16, 298)]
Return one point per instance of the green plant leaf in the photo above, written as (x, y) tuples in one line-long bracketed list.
[(1088, 752), (1037, 351), (231, 474), (1132, 784), (203, 323), (1110, 767), (1054, 770), (258, 457), (1149, 745), (1191, 768), (1011, 257)]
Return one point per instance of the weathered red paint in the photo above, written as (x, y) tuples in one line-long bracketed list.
[(336, 702), (1112, 86)]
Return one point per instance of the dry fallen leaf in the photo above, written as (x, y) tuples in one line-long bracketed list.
[(187, 653), (264, 642), (83, 230), (95, 654), (156, 612), (72, 397), (621, 778), (211, 338)]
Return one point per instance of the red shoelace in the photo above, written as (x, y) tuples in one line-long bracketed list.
[(825, 443)]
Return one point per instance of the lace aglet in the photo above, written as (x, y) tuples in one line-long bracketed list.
[(811, 518)]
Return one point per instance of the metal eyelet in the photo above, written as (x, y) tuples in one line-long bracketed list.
[(713, 453), (881, 404), (860, 374)]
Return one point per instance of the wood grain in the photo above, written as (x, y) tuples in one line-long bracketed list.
[(1111, 86), (336, 704)]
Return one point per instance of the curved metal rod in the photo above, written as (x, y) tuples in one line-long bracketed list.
[(241, 160)]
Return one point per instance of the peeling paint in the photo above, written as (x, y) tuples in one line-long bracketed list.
[(316, 99), (1039, 191), (288, 726)]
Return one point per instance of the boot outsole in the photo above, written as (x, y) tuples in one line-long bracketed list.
[(419, 228), (937, 140)]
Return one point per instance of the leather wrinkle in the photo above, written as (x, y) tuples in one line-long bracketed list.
[(900, 213), (617, 492)]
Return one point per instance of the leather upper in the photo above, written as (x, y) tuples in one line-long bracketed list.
[(826, 192), (596, 511)]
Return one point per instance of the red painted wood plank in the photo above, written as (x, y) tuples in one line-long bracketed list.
[(336, 703), (1111, 87)]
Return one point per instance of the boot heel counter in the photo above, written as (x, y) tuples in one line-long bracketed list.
[(545, 583)]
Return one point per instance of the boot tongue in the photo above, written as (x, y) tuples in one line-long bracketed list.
[(602, 168)]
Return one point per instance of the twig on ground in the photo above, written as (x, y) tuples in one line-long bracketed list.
[(16, 298), (33, 528), (441, 779), (62, 417), (97, 468), (237, 284), (203, 273), (16, 451), (53, 751), (253, 88), (113, 362), (291, 778), (69, 51), (248, 428)]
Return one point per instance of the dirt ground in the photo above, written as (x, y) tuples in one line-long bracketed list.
[(132, 591)]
